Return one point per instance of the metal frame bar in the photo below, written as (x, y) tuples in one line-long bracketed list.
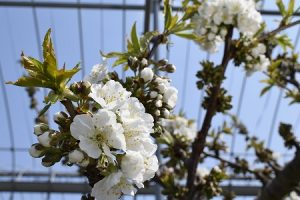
[(64, 187), (98, 6)]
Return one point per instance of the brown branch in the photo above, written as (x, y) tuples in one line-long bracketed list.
[(259, 176), (199, 143), (69, 107), (279, 29), (285, 181)]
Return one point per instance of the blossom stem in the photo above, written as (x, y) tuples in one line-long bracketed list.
[(70, 108), (199, 143)]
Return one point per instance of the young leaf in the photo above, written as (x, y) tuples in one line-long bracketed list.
[(281, 7), (265, 89), (135, 39), (168, 14), (50, 63), (28, 81), (44, 110), (290, 9)]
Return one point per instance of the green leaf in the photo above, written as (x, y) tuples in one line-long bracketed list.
[(190, 36), (63, 76), (50, 63), (111, 54), (173, 22), (284, 41), (281, 7), (119, 61), (265, 89), (32, 64), (28, 81), (168, 14), (291, 7), (45, 109), (135, 39)]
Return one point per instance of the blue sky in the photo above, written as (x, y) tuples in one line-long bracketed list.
[(17, 33)]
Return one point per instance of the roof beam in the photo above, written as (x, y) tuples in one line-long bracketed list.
[(98, 6), (62, 187)]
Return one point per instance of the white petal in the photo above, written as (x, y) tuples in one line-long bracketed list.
[(108, 153), (104, 118), (81, 125), (151, 165), (89, 147), (102, 190), (115, 136), (132, 165)]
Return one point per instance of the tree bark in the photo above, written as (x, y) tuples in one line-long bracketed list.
[(199, 143), (285, 181)]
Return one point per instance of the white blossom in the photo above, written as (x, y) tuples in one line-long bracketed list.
[(132, 166), (112, 187), (98, 133), (293, 196), (151, 166), (180, 126), (170, 97), (111, 95), (147, 74), (202, 172), (214, 16), (98, 73)]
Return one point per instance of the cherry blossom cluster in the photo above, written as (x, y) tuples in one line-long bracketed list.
[(118, 131), (216, 16), (256, 59), (114, 132), (161, 96), (181, 127)]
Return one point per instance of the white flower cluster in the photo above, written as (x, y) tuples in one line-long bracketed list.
[(214, 17), (120, 128), (293, 196), (256, 59), (180, 126), (164, 97)]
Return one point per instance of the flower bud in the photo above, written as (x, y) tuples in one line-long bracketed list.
[(158, 103), (157, 113), (166, 113), (147, 74), (40, 128), (36, 151), (47, 164), (81, 88), (60, 117), (44, 139), (133, 63), (170, 68), (163, 62), (159, 97), (84, 163), (153, 94), (144, 62), (162, 88), (75, 156)]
